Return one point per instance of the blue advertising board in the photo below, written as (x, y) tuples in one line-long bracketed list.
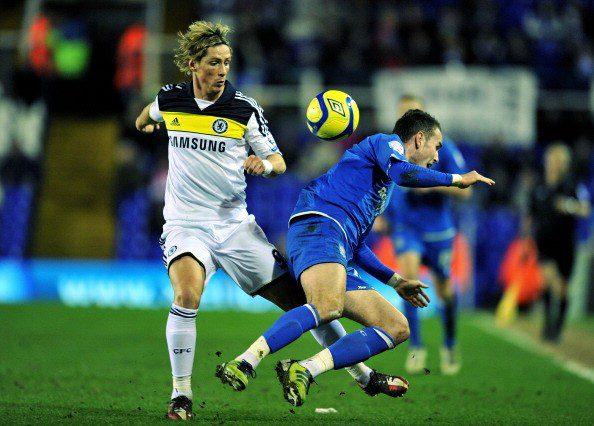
[(138, 284)]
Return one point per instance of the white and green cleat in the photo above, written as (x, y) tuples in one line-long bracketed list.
[(295, 380), (235, 373)]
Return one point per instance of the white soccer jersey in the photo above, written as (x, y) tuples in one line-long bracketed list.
[(208, 144)]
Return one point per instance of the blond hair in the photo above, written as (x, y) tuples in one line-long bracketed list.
[(194, 43)]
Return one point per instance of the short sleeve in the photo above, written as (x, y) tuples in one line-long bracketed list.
[(154, 111), (259, 137), (387, 149)]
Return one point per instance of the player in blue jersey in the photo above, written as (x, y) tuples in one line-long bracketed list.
[(423, 231), (325, 241)]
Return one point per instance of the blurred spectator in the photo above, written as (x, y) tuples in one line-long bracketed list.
[(130, 60), (40, 46), (548, 35), (18, 169)]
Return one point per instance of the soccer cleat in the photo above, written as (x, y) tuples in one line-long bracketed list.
[(415, 361), (235, 373), (450, 362), (393, 386), (295, 380), (180, 408)]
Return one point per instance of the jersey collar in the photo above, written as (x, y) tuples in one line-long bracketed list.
[(228, 93)]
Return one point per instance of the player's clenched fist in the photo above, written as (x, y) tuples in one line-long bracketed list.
[(254, 165), (145, 126), (470, 178), (149, 128)]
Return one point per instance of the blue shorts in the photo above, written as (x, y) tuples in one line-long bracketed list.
[(318, 239), (435, 253)]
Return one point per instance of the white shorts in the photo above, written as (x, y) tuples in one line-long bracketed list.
[(239, 248)]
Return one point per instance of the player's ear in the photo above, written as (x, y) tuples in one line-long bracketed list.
[(419, 139), (192, 65)]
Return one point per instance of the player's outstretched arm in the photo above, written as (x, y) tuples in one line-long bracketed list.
[(470, 178), (273, 165), (414, 176), (144, 122)]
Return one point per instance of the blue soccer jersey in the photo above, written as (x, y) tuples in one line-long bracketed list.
[(335, 212), (429, 213), (357, 189)]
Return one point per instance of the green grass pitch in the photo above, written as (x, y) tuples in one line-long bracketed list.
[(92, 365)]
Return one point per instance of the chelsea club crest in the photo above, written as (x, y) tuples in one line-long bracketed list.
[(220, 125)]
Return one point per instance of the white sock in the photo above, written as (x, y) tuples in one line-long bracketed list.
[(360, 372), (326, 334), (256, 352), (181, 343), (319, 363), (182, 386)]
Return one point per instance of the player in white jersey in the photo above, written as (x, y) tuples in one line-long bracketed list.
[(211, 129)]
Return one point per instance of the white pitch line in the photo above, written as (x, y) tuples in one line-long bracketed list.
[(526, 343)]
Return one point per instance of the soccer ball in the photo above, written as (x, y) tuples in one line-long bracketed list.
[(332, 115)]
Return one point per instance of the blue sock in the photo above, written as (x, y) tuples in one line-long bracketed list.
[(290, 326), (412, 316), (359, 346), (448, 312)]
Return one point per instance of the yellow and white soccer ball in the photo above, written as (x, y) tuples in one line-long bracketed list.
[(332, 115)]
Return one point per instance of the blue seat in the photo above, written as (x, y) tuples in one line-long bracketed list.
[(132, 237)]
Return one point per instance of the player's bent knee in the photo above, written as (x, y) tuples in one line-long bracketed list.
[(398, 329), (330, 309), (403, 335), (187, 297)]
